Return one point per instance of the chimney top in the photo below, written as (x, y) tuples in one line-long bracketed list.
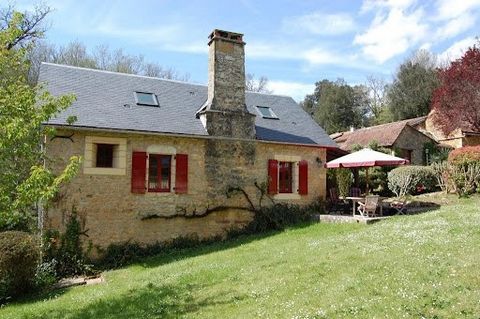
[(225, 36)]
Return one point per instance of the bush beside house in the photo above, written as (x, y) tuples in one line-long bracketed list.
[(411, 180), (19, 256), (464, 169)]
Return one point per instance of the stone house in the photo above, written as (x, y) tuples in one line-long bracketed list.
[(163, 158), (457, 138), (402, 137)]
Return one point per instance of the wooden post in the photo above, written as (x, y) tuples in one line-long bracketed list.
[(366, 178)]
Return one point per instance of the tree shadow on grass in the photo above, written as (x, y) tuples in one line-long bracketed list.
[(149, 301), (173, 255), (168, 256)]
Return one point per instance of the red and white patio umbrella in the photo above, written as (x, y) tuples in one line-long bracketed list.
[(366, 158)]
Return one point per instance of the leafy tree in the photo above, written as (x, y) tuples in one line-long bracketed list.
[(102, 58), (337, 106), (411, 91), (254, 85), (24, 180), (456, 102)]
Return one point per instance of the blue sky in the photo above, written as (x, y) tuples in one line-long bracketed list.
[(293, 43)]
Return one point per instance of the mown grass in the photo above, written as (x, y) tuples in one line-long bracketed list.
[(424, 265)]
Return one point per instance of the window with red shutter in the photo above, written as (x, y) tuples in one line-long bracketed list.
[(303, 177), (139, 172), (272, 176), (181, 174)]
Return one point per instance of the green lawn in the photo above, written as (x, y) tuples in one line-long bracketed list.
[(425, 265)]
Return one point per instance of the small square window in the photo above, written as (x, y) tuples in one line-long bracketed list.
[(266, 112), (142, 98), (104, 155)]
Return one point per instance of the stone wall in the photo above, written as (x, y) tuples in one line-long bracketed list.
[(112, 214), (411, 139)]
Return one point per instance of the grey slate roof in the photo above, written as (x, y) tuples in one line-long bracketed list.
[(106, 100)]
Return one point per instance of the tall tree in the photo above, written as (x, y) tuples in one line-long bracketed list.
[(102, 57), (411, 92), (23, 178), (377, 98), (254, 85), (456, 102), (337, 106)]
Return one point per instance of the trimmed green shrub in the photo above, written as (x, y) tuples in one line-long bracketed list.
[(19, 256), (411, 179), (344, 179)]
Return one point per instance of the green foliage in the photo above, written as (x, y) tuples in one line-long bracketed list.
[(24, 180), (65, 250), (120, 254), (412, 89), (344, 179), (281, 215), (46, 275), (411, 179), (434, 154), (337, 106), (19, 255)]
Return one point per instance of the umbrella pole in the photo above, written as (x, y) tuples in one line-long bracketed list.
[(366, 176)]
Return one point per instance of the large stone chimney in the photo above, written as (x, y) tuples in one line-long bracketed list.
[(226, 113)]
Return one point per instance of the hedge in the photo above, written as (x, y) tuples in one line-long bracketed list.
[(19, 256), (411, 179)]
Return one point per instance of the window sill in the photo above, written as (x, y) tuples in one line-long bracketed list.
[(150, 193), (286, 196), (103, 171)]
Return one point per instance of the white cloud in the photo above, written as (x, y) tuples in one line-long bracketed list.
[(297, 90), (456, 26), (369, 5), (393, 32), (320, 23), (448, 9), (457, 49)]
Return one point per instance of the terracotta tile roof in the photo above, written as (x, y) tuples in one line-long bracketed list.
[(384, 134)]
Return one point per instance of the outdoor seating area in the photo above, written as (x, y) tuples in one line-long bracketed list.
[(364, 204)]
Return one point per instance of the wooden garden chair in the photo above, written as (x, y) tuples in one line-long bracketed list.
[(337, 205), (400, 205), (369, 207), (355, 192)]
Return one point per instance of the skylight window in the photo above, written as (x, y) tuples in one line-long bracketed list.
[(266, 112), (142, 98)]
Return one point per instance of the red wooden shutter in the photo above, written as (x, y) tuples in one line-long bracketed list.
[(272, 176), (139, 172), (303, 177), (181, 174)]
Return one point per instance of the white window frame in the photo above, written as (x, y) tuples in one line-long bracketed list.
[(162, 150)]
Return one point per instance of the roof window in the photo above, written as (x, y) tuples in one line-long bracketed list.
[(266, 112), (143, 98)]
